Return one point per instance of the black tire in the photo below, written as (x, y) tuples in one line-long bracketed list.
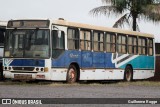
[(128, 74), (71, 74)]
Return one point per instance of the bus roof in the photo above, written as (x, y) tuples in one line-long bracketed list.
[(3, 24), (63, 22), (100, 28)]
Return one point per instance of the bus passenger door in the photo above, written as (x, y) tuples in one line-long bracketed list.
[(1, 51), (58, 47)]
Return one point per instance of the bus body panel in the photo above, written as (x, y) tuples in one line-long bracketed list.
[(84, 59), (26, 68), (24, 62), (59, 71), (58, 74), (102, 74), (66, 58), (27, 76), (143, 66), (141, 62), (103, 60)]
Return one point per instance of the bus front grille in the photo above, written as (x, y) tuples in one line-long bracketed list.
[(24, 68)]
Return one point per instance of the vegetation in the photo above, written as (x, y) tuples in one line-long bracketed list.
[(131, 10), (88, 83)]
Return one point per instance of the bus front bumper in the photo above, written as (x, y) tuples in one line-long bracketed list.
[(26, 76)]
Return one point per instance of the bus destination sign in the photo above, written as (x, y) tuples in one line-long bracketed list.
[(28, 24)]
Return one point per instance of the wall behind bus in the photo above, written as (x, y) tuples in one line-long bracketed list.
[(157, 66)]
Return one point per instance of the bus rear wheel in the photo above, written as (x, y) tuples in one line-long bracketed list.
[(71, 74), (128, 75)]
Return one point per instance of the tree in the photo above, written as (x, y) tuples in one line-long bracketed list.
[(130, 10)]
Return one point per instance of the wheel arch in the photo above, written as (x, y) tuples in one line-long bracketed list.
[(125, 71), (129, 66), (77, 68)]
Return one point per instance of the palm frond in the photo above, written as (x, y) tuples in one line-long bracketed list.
[(125, 19), (146, 9), (105, 10), (121, 21), (151, 12)]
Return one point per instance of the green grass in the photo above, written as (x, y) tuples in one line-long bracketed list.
[(90, 83)]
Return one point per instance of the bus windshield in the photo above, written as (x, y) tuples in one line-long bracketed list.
[(27, 43)]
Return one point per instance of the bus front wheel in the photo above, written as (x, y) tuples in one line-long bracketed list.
[(128, 75), (71, 74)]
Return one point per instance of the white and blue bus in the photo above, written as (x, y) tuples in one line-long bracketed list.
[(3, 25), (60, 50)]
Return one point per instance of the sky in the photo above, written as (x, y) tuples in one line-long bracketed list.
[(71, 10)]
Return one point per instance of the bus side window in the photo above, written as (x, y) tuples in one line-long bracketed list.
[(150, 46), (142, 46), (58, 44), (110, 40), (2, 38), (98, 41), (73, 38), (122, 43), (132, 45), (85, 40)]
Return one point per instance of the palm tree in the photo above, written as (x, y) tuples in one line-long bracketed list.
[(131, 10)]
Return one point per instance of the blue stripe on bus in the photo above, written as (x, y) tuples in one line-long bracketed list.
[(28, 62), (85, 59), (66, 58)]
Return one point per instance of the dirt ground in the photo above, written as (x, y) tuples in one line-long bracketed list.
[(142, 89)]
